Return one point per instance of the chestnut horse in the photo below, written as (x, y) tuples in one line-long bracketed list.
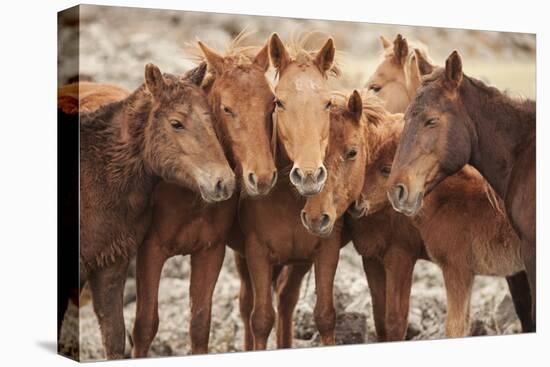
[(382, 238), (463, 231), (455, 120), (271, 227), (242, 102), (161, 131)]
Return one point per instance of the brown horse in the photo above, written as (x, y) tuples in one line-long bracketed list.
[(454, 120), (397, 77), (272, 230), (463, 231), (242, 102), (161, 131), (388, 243)]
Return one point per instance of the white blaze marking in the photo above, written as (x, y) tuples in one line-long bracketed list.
[(306, 84)]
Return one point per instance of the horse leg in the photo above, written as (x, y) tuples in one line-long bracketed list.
[(205, 269), (376, 277), (324, 313), (528, 253), (458, 285), (519, 290), (149, 262), (399, 270), (107, 286), (246, 299), (262, 317), (288, 291)]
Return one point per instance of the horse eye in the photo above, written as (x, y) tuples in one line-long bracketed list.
[(279, 104), (227, 110), (375, 88), (351, 154), (328, 105), (176, 125), (386, 170), (431, 122)]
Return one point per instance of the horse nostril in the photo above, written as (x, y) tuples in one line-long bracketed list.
[(221, 188), (321, 174), (252, 179), (325, 221), (274, 178), (296, 174), (303, 217), (400, 192)]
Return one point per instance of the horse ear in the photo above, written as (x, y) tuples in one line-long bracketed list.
[(453, 68), (400, 49), (154, 80), (215, 61), (262, 58), (355, 105), (325, 57), (424, 66), (385, 43), (196, 75), (277, 53)]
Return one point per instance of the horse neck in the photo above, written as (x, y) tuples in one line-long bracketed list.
[(224, 140), (120, 136), (501, 129)]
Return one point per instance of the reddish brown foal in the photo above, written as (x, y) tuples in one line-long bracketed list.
[(242, 102)]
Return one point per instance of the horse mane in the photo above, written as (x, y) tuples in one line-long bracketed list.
[(300, 51), (235, 53), (378, 122), (120, 146), (521, 103)]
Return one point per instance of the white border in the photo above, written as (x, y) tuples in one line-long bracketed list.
[(28, 179)]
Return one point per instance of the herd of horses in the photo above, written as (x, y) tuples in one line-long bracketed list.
[(286, 175)]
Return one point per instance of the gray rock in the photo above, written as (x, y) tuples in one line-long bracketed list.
[(351, 328)]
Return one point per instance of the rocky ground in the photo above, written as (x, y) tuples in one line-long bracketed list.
[(115, 44), (492, 309)]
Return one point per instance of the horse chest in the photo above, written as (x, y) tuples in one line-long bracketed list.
[(275, 223), (370, 234), (205, 228)]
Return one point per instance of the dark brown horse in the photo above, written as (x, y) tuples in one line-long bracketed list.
[(463, 231), (454, 120), (272, 229), (242, 102), (161, 131)]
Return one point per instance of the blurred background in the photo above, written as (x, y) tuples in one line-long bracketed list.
[(114, 44)]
